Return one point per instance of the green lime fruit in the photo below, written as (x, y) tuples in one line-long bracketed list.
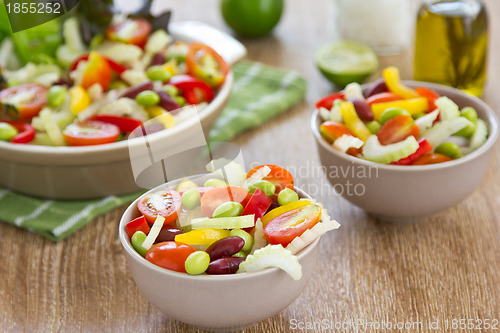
[(252, 18), (346, 61)]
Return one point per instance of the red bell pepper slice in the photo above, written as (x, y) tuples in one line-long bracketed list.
[(431, 96), (26, 132), (327, 102), (114, 65), (139, 224), (193, 90), (258, 205), (423, 148), (125, 124), (383, 97)]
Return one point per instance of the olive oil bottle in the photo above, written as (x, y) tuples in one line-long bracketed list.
[(451, 44)]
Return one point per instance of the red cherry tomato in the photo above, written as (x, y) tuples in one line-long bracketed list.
[(138, 224), (207, 65), (382, 98), (292, 222), (170, 255), (125, 124), (331, 131), (397, 129), (36, 99), (217, 196), (130, 31), (327, 102), (432, 158), (431, 96), (165, 203), (91, 133), (279, 176)]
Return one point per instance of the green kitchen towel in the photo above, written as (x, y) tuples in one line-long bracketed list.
[(260, 92)]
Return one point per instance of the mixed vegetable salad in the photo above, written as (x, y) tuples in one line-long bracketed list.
[(391, 123), (254, 222), (98, 93)]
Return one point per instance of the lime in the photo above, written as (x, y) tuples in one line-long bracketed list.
[(251, 18), (346, 61)]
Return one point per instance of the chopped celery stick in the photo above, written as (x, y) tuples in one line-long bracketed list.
[(153, 233), (238, 222), (324, 114), (72, 36), (157, 41), (353, 90), (447, 108), (61, 118), (443, 130), (259, 240), (272, 256), (426, 122), (376, 152), (258, 175), (347, 141), (53, 130), (480, 135), (336, 113), (121, 52)]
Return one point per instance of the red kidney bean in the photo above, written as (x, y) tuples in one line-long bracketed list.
[(227, 265), (167, 102), (134, 91), (363, 110), (377, 87), (158, 59), (225, 247), (167, 234)]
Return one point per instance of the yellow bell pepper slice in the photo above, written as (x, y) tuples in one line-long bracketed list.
[(283, 209), (204, 236), (393, 82), (79, 99), (413, 106), (161, 116), (171, 67), (352, 121)]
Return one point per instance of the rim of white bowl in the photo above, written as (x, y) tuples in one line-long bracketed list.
[(223, 277), (493, 134), (220, 98)]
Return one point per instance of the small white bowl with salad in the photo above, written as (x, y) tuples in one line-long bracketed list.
[(406, 149), (64, 125), (223, 253)]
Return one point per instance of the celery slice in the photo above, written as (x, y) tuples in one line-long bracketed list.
[(157, 41), (324, 114), (336, 113), (480, 135), (153, 233), (259, 239), (353, 90), (258, 175), (272, 256), (347, 141), (245, 221), (447, 108), (376, 152), (52, 128), (426, 122), (443, 130)]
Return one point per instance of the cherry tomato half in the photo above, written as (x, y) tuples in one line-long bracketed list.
[(165, 203), (432, 158), (170, 255), (293, 220), (91, 133), (130, 31), (279, 176), (27, 98), (397, 129), (331, 131), (217, 196), (207, 65)]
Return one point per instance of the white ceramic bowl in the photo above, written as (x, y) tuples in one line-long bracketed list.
[(410, 193), (223, 302), (98, 171)]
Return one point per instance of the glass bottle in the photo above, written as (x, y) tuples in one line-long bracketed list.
[(451, 44)]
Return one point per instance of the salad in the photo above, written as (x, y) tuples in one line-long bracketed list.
[(253, 222), (98, 93), (391, 123)]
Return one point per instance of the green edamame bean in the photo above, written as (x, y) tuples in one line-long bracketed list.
[(287, 196), (470, 113), (373, 127), (214, 182), (137, 239), (228, 209), (158, 73), (266, 187), (170, 89), (392, 113), (240, 254), (246, 237), (147, 98), (55, 96), (197, 262), (180, 100), (419, 115), (191, 198), (449, 149), (7, 131)]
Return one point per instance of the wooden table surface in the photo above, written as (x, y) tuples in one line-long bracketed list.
[(444, 268)]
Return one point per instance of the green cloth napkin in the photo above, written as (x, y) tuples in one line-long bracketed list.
[(259, 93)]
